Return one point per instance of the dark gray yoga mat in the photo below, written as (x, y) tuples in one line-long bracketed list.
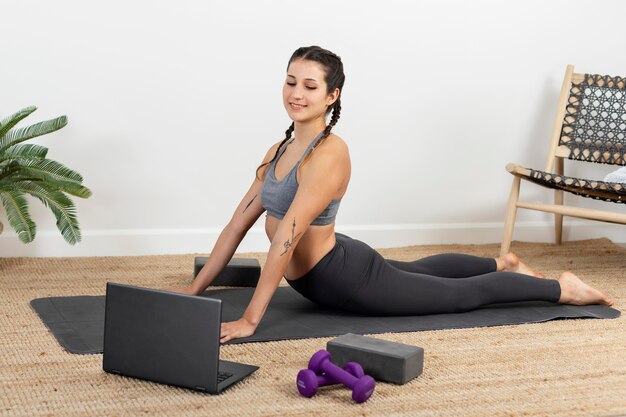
[(78, 322)]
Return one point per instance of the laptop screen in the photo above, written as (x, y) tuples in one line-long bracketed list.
[(162, 336)]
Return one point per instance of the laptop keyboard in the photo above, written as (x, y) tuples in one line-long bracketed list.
[(222, 376)]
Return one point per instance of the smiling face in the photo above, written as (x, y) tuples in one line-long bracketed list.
[(305, 94)]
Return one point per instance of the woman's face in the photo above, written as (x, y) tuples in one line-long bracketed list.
[(304, 92)]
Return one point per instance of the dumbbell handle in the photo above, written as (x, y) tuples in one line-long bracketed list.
[(339, 374), (352, 368), (325, 380)]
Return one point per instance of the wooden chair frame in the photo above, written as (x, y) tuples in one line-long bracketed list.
[(554, 164)]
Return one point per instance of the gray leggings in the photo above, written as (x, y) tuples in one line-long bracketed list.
[(356, 278)]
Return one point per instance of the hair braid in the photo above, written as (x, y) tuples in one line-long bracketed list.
[(333, 121), (336, 113), (288, 133)]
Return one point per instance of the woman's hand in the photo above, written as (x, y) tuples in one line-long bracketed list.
[(236, 329), (183, 290)]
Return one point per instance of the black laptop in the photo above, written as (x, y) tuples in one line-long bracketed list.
[(167, 337)]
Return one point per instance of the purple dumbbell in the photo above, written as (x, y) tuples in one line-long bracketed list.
[(308, 381), (362, 387)]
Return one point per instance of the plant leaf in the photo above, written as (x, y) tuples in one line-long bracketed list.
[(62, 207), (9, 169), (49, 169), (9, 122), (28, 151), (71, 188), (48, 173), (24, 133), (16, 207)]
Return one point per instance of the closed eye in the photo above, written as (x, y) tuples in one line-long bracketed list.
[(308, 87)]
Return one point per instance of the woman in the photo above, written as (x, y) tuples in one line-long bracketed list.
[(300, 184)]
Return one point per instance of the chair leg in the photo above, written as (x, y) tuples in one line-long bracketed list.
[(558, 218), (511, 211), (559, 168)]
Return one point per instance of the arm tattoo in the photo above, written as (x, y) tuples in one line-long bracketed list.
[(288, 244), (244, 210)]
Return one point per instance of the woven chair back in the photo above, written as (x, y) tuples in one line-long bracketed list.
[(594, 126)]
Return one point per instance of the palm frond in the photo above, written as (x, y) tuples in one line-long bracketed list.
[(8, 169), (71, 188), (48, 173), (9, 122), (16, 207), (28, 151), (49, 169), (62, 207), (24, 133)]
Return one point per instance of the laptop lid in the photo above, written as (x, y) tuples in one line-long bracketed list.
[(162, 336)]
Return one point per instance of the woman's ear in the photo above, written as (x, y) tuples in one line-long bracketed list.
[(332, 97)]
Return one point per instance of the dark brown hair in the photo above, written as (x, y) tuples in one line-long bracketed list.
[(334, 77)]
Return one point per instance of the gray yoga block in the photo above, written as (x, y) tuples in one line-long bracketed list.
[(239, 272), (381, 359)]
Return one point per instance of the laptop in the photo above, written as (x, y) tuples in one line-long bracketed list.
[(167, 337)]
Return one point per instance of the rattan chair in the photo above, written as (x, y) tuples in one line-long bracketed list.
[(590, 126)]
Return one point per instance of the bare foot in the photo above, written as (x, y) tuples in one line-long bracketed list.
[(510, 262), (576, 292)]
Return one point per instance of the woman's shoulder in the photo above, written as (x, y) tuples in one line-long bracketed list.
[(330, 156), (334, 147), (330, 163)]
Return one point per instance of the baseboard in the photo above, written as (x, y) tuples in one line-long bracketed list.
[(387, 236), (178, 241)]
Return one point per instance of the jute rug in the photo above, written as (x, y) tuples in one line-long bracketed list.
[(558, 368)]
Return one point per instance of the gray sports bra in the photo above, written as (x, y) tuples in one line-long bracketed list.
[(277, 196)]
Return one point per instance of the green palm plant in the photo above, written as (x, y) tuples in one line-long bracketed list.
[(25, 170)]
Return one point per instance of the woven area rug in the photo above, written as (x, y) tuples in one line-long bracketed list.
[(559, 368)]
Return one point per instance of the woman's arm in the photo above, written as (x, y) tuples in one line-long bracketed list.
[(247, 213), (321, 180)]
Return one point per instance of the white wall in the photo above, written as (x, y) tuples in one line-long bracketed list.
[(173, 104)]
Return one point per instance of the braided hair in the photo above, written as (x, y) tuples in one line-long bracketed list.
[(334, 77)]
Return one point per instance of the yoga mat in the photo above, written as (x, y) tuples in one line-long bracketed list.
[(78, 322)]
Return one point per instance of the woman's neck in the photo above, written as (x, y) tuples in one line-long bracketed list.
[(305, 132)]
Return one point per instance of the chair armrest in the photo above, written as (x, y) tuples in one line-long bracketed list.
[(517, 169)]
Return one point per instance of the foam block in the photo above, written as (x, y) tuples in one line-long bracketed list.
[(381, 359), (239, 272)]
